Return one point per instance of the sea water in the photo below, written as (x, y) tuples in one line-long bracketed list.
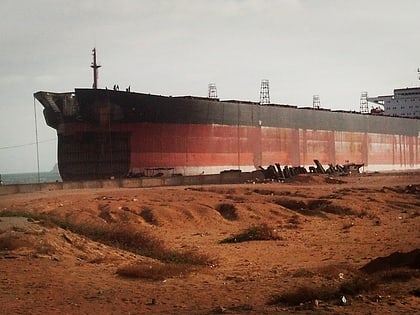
[(30, 178)]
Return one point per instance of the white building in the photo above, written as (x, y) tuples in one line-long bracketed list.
[(404, 103)]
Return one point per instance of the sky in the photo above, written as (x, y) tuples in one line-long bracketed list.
[(332, 48)]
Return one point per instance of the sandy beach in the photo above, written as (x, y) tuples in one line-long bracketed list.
[(319, 232)]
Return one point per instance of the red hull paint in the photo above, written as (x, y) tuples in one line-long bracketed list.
[(195, 148)]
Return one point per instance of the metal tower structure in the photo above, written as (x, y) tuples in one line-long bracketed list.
[(265, 92), (364, 106), (212, 90), (316, 102), (95, 68)]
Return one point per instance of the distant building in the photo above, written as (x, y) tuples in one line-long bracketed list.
[(404, 103)]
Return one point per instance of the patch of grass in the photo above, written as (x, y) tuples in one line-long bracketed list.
[(343, 192), (397, 267), (298, 193), (222, 191), (366, 214), (188, 257), (363, 213), (316, 207), (147, 215), (401, 205), (357, 285), (8, 242), (121, 236), (139, 242), (336, 209), (293, 222), (318, 204), (299, 206), (126, 237), (254, 233), (295, 205), (328, 207), (303, 273), (154, 271), (397, 275), (332, 180), (105, 213), (307, 293), (227, 211), (332, 196), (395, 260), (264, 192), (366, 190), (396, 189), (200, 189), (303, 294)]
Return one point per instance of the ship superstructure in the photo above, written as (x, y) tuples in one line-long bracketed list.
[(403, 103)]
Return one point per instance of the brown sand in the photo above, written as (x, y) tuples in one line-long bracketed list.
[(54, 271)]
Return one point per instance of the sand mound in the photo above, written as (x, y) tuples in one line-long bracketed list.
[(24, 237), (395, 260)]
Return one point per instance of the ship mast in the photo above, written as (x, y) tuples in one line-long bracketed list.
[(95, 68)]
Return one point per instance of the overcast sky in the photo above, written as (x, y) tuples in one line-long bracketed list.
[(333, 48)]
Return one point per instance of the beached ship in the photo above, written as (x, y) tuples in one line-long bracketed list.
[(105, 133)]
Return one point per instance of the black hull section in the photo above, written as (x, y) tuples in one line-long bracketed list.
[(106, 105), (93, 155)]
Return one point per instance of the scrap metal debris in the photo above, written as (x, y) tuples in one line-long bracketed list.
[(277, 173)]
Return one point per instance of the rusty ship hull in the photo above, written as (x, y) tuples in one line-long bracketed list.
[(106, 133)]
